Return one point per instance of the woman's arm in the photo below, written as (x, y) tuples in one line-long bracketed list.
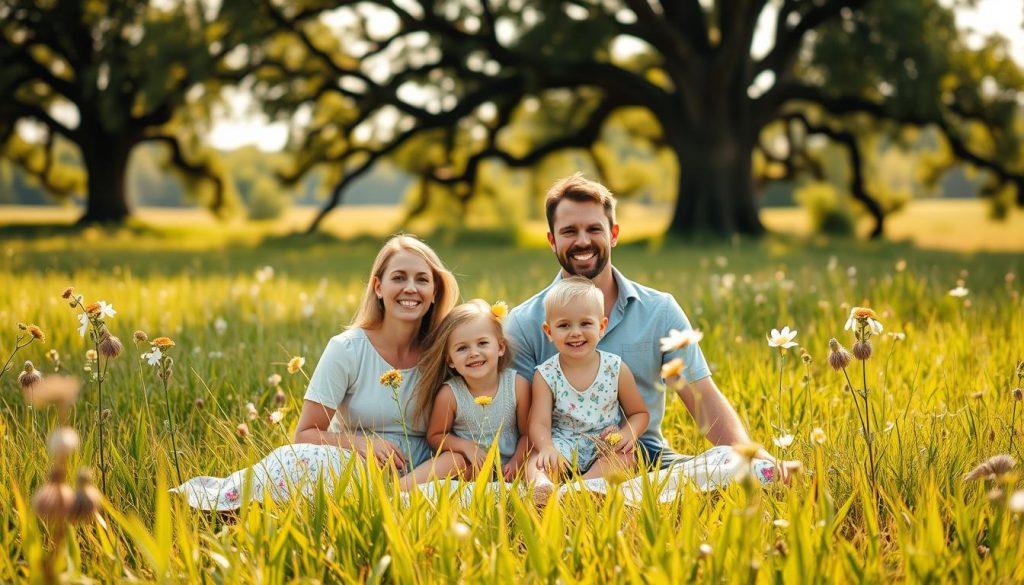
[(633, 406), (314, 420)]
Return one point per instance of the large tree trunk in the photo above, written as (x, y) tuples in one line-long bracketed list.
[(716, 187), (106, 163)]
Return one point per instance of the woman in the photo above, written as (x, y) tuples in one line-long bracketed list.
[(347, 405)]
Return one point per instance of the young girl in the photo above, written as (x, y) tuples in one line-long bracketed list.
[(578, 393), (470, 391)]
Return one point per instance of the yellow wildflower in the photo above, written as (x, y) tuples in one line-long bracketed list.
[(391, 378), (500, 310), (162, 342), (613, 439), (673, 368), (295, 364), (483, 400)]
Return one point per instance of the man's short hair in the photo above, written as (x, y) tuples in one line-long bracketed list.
[(578, 188), (573, 289)]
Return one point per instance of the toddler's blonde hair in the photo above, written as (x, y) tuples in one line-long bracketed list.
[(570, 290)]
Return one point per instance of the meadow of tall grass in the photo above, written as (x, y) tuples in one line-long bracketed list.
[(940, 386)]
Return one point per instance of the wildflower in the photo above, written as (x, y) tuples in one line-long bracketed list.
[(35, 332), (901, 265), (199, 403), (280, 397), (153, 357), (162, 342), (62, 443), (264, 274), (220, 326), (110, 346), (959, 292), (613, 439), (92, 309), (483, 400), (276, 417), (500, 310), (704, 549), (87, 499), (243, 430), (295, 364), (251, 411), (862, 350), (1016, 502), (90, 355), (782, 339), (672, 369), (784, 441), (54, 499), (992, 468), (460, 531), (838, 357), (67, 293), (392, 378), (818, 436), (274, 380), (55, 390), (53, 355), (103, 309), (83, 321), (781, 523), (1018, 394), (806, 357), (140, 336), (677, 339), (864, 317), (28, 376)]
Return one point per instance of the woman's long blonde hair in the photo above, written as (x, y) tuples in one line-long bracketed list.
[(433, 364), (446, 290)]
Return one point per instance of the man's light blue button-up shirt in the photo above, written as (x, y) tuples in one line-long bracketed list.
[(640, 318)]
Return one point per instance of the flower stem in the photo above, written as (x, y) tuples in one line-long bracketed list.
[(867, 436), (99, 409), (170, 419), (17, 347)]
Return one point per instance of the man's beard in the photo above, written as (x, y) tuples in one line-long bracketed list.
[(600, 261)]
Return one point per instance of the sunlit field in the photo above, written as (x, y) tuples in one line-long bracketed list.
[(939, 384)]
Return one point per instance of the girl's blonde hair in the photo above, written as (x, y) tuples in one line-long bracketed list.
[(446, 290), (433, 364)]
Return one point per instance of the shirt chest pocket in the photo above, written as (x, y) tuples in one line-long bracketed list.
[(638, 356)]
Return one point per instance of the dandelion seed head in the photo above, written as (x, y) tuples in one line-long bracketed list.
[(818, 436), (1016, 502), (862, 350), (110, 346), (53, 500), (276, 417), (87, 500), (62, 443), (992, 468), (29, 376)]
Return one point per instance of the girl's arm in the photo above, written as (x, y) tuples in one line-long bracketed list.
[(633, 406), (540, 425), (314, 420), (439, 428), (523, 423)]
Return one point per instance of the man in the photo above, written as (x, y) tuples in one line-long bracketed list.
[(582, 233)]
